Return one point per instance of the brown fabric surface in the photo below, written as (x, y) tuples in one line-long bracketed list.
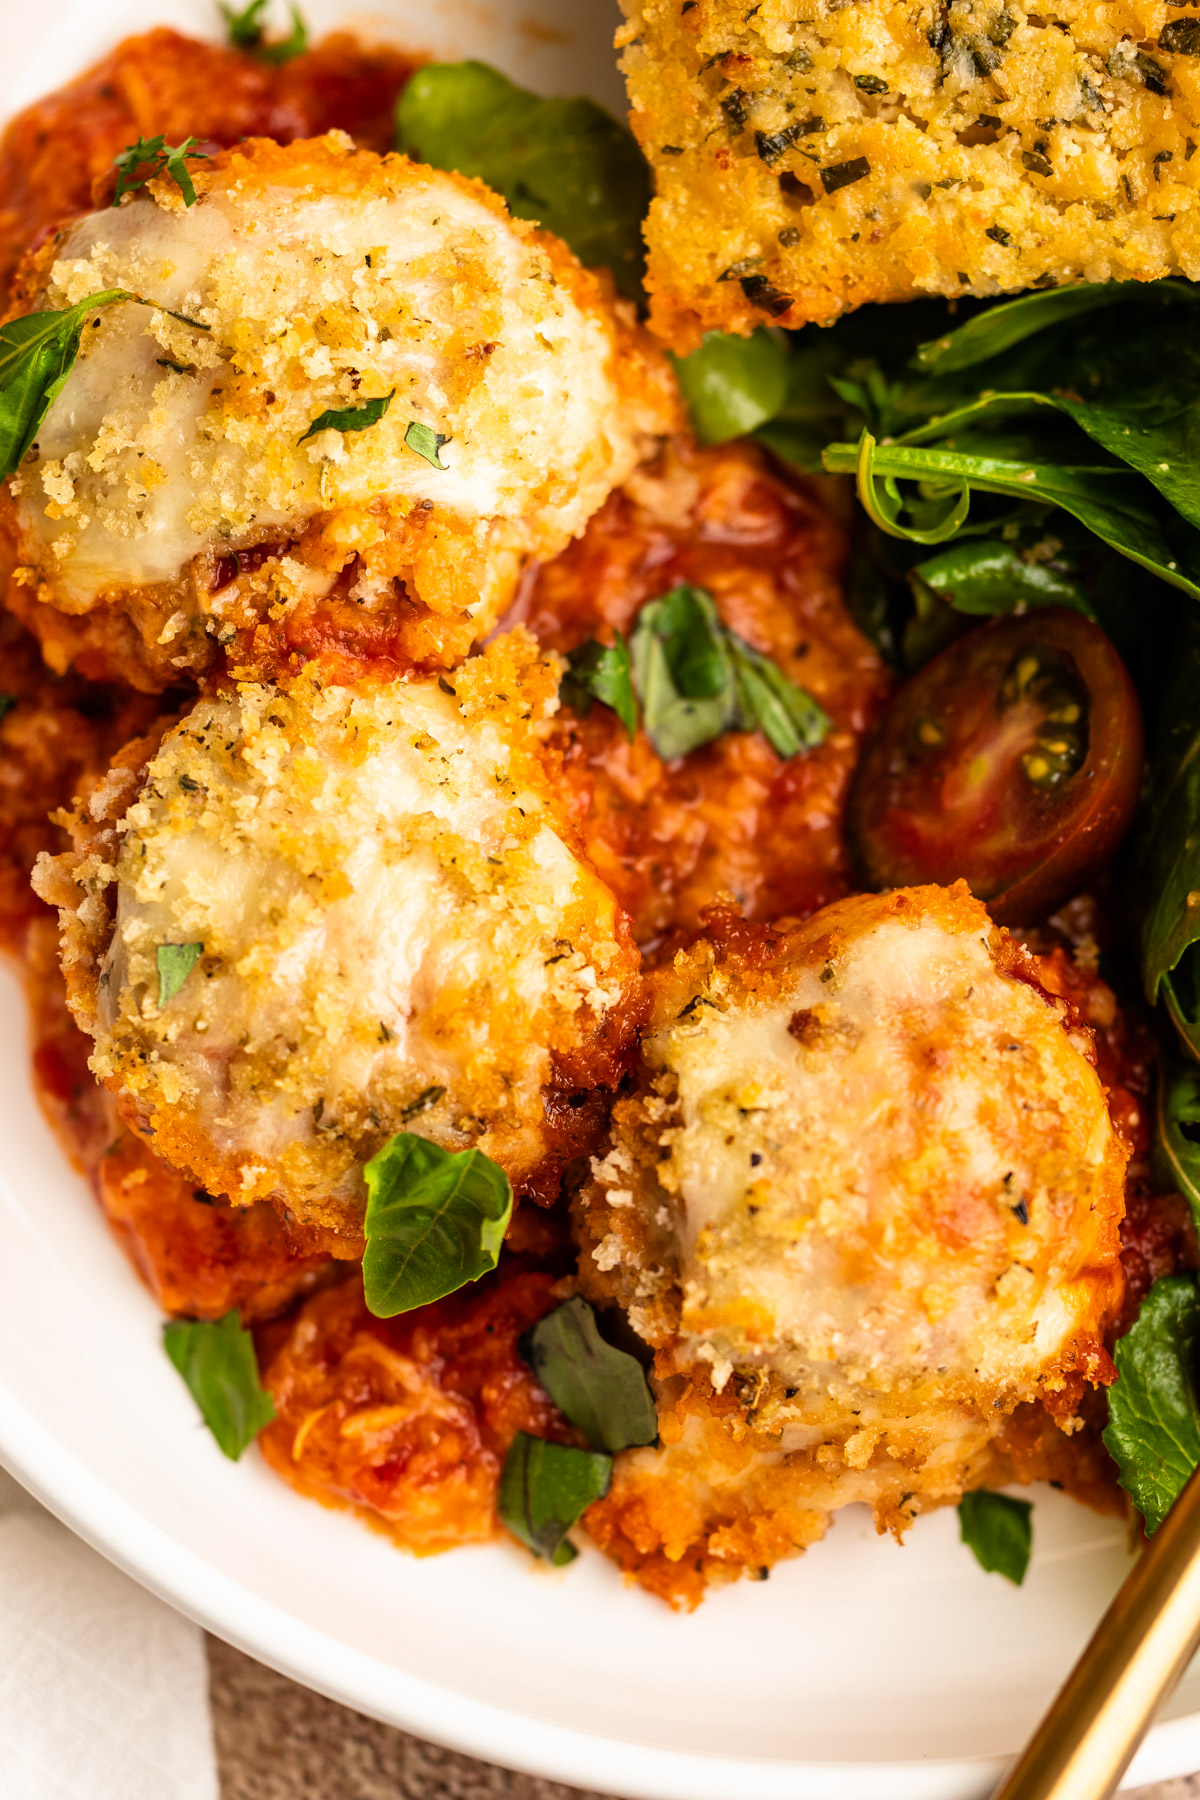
[(276, 1740)]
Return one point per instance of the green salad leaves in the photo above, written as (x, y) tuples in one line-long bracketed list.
[(1169, 864), (435, 1220), (1153, 1432), (1175, 1164), (216, 1359), (564, 163), (998, 1530)]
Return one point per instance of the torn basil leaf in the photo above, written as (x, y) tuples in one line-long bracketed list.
[(602, 672), (435, 1220), (175, 963), (1175, 1160), (564, 163), (733, 384), (697, 679), (600, 1389), (1153, 1432), (245, 30), (216, 1359), (351, 418), (37, 354), (426, 442), (998, 1530), (157, 157), (545, 1489)]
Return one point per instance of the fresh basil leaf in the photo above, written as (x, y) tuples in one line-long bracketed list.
[(564, 163), (683, 671), (733, 384), (1110, 501), (788, 717), (1153, 1432), (545, 1489), (985, 577), (216, 1359), (602, 1390), (245, 31), (1168, 873), (37, 354), (998, 329), (998, 1530), (1175, 1160), (353, 418), (157, 157), (426, 442), (175, 963), (602, 672), (435, 1220)]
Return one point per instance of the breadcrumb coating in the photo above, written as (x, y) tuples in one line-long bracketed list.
[(506, 394), (383, 921), (865, 1205), (810, 156)]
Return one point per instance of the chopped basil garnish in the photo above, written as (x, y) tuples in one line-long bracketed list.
[(565, 163), (37, 353), (156, 157), (435, 1220), (426, 442), (545, 1488), (602, 672), (175, 963), (1153, 1432), (350, 418), (246, 32), (601, 1389), (697, 679), (216, 1359), (999, 1531)]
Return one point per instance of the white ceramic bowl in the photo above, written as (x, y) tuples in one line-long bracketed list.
[(860, 1672)]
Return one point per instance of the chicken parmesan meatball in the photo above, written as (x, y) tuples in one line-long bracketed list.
[(866, 1204), (314, 916), (372, 385)]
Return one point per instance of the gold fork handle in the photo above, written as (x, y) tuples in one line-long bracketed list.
[(1136, 1654)]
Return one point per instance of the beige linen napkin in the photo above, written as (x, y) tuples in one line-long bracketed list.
[(103, 1688)]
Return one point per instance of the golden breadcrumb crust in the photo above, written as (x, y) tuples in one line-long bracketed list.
[(390, 925), (178, 494), (810, 156)]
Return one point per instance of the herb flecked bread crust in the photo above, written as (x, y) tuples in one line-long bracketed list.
[(813, 155)]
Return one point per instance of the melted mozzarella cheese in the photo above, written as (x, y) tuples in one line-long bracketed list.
[(391, 928), (320, 278), (880, 1170)]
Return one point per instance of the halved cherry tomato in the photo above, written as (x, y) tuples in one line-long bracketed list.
[(1013, 759)]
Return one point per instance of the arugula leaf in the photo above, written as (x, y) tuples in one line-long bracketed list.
[(544, 1489), (601, 1389), (157, 157), (1153, 1432), (245, 31), (37, 354), (216, 1359), (1169, 850), (355, 418), (564, 163), (998, 1530), (175, 963), (697, 679), (1175, 1160), (998, 329), (602, 672), (733, 384), (985, 577), (435, 1220), (424, 440)]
